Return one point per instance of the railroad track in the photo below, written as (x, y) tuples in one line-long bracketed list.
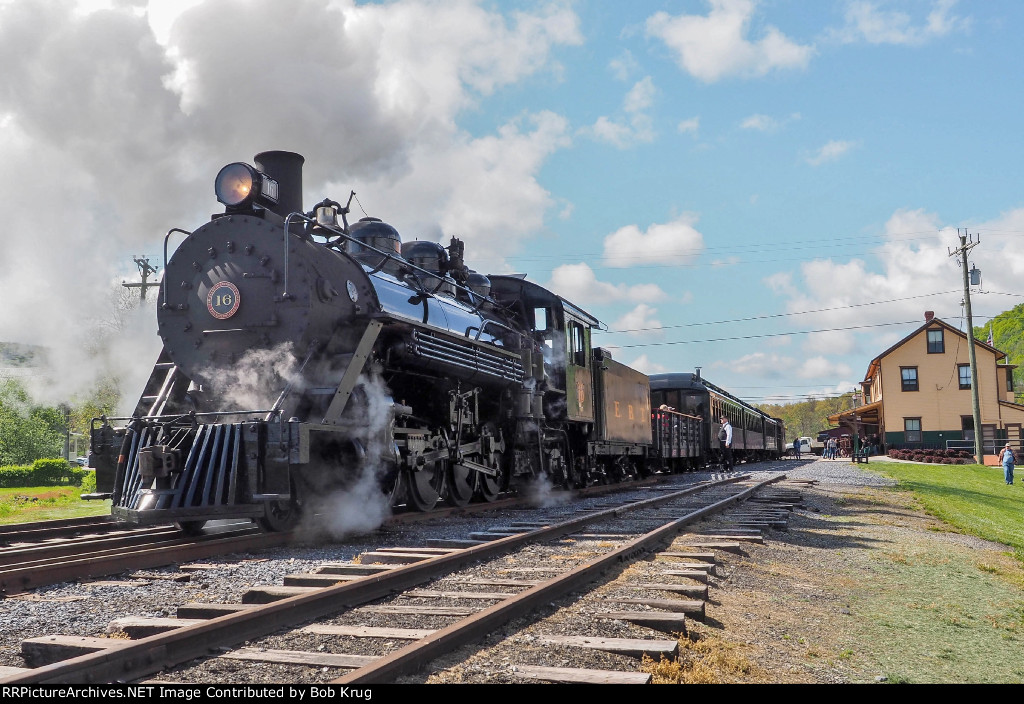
[(461, 577), (38, 554), (31, 565)]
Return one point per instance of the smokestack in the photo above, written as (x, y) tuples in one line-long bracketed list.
[(928, 315), (286, 169)]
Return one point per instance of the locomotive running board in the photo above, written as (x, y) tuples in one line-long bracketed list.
[(351, 376)]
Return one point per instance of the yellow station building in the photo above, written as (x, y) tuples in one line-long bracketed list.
[(917, 393)]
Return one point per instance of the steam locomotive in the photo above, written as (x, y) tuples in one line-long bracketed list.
[(305, 356)]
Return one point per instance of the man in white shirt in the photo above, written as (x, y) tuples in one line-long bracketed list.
[(726, 443)]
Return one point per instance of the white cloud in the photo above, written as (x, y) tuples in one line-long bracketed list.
[(635, 127), (645, 365), (780, 282), (762, 365), (691, 125), (818, 367), (716, 46), (579, 284), (623, 66), (831, 151), (762, 123), (639, 322), (869, 22), (675, 242), (766, 123), (136, 113)]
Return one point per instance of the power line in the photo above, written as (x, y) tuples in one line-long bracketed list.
[(781, 315), (754, 337)]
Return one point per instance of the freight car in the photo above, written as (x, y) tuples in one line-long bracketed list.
[(305, 357)]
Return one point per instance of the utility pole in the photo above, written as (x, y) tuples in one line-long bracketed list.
[(145, 269), (967, 245)]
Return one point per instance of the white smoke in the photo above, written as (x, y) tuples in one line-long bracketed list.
[(541, 493), (254, 381), (349, 500), (111, 134)]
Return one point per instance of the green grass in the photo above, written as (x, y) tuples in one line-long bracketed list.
[(44, 503), (973, 499)]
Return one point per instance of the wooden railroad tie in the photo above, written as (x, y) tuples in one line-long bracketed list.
[(353, 568), (695, 592), (664, 621), (207, 611), (300, 657), (420, 610), (369, 632), (446, 543), (698, 575), (565, 675), (392, 558), (267, 595), (46, 650), (137, 627), (631, 647), (310, 579), (694, 608)]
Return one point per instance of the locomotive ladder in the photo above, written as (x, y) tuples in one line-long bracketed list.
[(158, 401)]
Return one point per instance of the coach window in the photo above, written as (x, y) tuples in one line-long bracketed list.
[(964, 371), (936, 342), (909, 375), (577, 345), (912, 429)]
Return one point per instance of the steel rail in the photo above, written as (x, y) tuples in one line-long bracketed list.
[(39, 551), (58, 527), (419, 653), (18, 578), (136, 659)]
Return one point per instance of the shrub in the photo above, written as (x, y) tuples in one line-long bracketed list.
[(48, 472), (88, 482)]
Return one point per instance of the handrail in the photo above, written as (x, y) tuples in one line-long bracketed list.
[(167, 237)]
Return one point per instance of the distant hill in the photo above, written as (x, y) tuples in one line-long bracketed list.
[(1008, 337)]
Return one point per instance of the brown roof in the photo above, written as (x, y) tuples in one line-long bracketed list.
[(859, 410)]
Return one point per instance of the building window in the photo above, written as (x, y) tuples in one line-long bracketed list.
[(967, 427), (936, 342), (1009, 380), (909, 375), (965, 375), (912, 429)]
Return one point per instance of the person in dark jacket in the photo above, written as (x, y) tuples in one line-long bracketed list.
[(725, 437)]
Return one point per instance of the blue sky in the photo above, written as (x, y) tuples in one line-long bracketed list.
[(665, 165)]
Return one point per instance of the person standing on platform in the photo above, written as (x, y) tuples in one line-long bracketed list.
[(796, 447), (725, 437)]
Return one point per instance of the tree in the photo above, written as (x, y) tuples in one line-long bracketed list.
[(27, 432)]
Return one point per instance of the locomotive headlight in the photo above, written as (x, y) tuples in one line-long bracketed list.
[(235, 183), (238, 185)]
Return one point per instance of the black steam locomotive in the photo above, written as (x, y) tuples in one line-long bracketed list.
[(304, 356)]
